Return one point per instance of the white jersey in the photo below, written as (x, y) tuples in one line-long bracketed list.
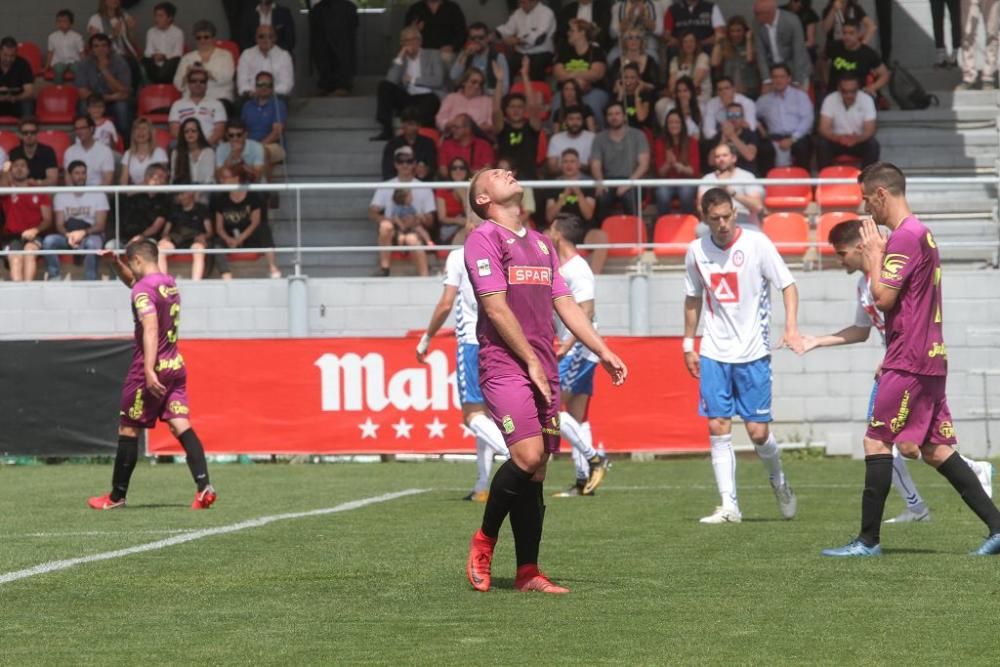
[(867, 315), (736, 284), (580, 279), (466, 310)]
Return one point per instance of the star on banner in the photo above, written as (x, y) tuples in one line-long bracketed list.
[(369, 429), (467, 432), (436, 428), (402, 428)]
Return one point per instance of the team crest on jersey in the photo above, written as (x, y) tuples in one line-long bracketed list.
[(726, 287), (544, 248), (738, 258), (483, 267), (178, 408), (529, 275), (930, 241), (141, 302), (167, 291), (508, 425), (947, 430), (893, 265), (510, 241)]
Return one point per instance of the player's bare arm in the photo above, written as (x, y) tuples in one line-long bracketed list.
[(873, 245), (848, 336), (496, 308), (438, 317), (692, 315), (567, 344), (580, 326), (121, 267), (792, 337), (150, 343)]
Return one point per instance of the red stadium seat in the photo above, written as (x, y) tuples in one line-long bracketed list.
[(431, 133), (674, 228), (56, 105), (155, 101), (828, 221), (163, 139), (788, 228), (30, 52), (230, 46), (57, 141), (9, 141), (540, 87), (794, 197), (624, 229), (849, 160), (847, 196), (50, 75)]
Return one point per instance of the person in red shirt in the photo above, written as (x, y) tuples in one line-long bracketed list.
[(27, 217), (452, 204), (675, 155), (462, 143)]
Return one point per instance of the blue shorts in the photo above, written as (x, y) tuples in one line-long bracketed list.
[(576, 373), (467, 373), (741, 389), (871, 401)]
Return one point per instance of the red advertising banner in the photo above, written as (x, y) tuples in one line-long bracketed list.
[(371, 396)]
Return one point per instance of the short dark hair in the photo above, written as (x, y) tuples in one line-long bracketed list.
[(477, 208), (632, 66), (714, 197), (883, 175), (98, 37), (849, 76), (8, 42), (95, 99), (845, 232), (27, 120), (20, 158), (574, 108), (569, 151), (410, 115), (614, 103), (65, 13), (261, 73), (236, 124), (145, 248), (204, 26), (781, 66), (570, 226), (83, 116), (478, 25), (723, 78), (74, 164), (156, 166), (167, 8), (853, 23), (510, 97)]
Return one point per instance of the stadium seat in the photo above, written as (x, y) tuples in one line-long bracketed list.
[(163, 139), (828, 221), (50, 75), (849, 160), (57, 141), (155, 101), (56, 105), (230, 46), (624, 229), (8, 141), (788, 228), (846, 196), (787, 197), (30, 52), (674, 228), (431, 133)]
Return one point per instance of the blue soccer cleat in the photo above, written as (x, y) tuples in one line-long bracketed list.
[(991, 547), (859, 548)]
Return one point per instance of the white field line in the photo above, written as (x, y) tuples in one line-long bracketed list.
[(56, 565), (104, 533)]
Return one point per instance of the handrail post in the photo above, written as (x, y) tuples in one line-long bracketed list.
[(638, 301), (118, 221), (298, 232)]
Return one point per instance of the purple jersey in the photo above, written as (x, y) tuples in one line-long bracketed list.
[(526, 268), (157, 293), (914, 340)]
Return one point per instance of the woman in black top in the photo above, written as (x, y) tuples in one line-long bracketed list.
[(583, 60), (240, 223)]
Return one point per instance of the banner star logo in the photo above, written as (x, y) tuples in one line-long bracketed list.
[(436, 428), (402, 428), (467, 432), (369, 429)]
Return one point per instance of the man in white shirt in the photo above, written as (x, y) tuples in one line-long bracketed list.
[(386, 213), (529, 31), (98, 158), (847, 124), (80, 219), (575, 136), (210, 113), (748, 200), (715, 110), (265, 57), (164, 45), (732, 269)]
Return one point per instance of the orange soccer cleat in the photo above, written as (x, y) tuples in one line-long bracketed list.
[(104, 502), (530, 579), (480, 558), (204, 498)]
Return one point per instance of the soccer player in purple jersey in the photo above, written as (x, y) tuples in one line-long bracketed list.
[(911, 409), (514, 272), (156, 383)]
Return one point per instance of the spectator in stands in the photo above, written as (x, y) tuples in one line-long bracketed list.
[(453, 203), (639, 16), (43, 166), (989, 16), (80, 220), (113, 21), (718, 107), (382, 211), (685, 100), (837, 13), (424, 150), (479, 53), (265, 57), (618, 152), (748, 199), (529, 32), (595, 12), (239, 154), (847, 124), (441, 24), (333, 30), (196, 104), (27, 217), (142, 154), (268, 13), (240, 223), (736, 132), (701, 17), (107, 74), (144, 214), (571, 96), (105, 131), (943, 59), (164, 45), (575, 136), (265, 116), (17, 82), (463, 143), (638, 103), (787, 115), (189, 226), (692, 62), (778, 38), (733, 58), (518, 118), (581, 59), (215, 62), (809, 19), (65, 48), (415, 78), (676, 155), (850, 55), (193, 160), (632, 52), (470, 100), (579, 201), (97, 157)]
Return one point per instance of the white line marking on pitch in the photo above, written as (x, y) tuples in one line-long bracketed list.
[(105, 533), (56, 565)]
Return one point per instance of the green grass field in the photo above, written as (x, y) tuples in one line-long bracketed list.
[(385, 584)]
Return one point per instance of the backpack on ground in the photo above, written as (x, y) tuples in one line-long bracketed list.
[(908, 92)]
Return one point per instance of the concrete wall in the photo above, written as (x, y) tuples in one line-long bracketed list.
[(821, 397)]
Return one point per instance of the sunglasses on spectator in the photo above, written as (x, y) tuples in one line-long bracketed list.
[(234, 135), (404, 160), (478, 38), (29, 132), (265, 84), (456, 167)]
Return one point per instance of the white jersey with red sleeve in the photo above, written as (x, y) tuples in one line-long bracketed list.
[(867, 315)]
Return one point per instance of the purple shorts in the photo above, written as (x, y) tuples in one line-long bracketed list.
[(520, 412), (911, 408), (140, 409)]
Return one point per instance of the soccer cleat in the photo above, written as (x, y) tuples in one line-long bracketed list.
[(984, 471), (573, 491), (477, 568), (722, 515), (991, 547), (530, 579), (204, 498), (909, 516), (104, 502), (787, 503), (480, 496), (599, 465), (854, 548)]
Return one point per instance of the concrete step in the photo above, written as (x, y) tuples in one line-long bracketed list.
[(925, 137), (360, 106)]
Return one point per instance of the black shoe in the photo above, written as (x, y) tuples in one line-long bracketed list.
[(384, 135), (381, 272)]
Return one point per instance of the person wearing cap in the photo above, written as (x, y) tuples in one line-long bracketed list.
[(403, 223)]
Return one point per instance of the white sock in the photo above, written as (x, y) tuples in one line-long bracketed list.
[(581, 465), (588, 436), (571, 429), (770, 456), (904, 483), (486, 430), (724, 466), (484, 464), (972, 464)]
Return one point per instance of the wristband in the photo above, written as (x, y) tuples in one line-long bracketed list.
[(425, 342), (688, 345)]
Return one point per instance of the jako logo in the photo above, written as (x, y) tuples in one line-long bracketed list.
[(352, 382)]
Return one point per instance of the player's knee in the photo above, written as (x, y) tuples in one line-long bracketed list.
[(758, 433), (909, 450), (128, 431), (719, 426), (164, 244)]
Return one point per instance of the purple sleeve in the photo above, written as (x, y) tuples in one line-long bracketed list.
[(142, 300), (484, 264), (902, 255), (559, 286)]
